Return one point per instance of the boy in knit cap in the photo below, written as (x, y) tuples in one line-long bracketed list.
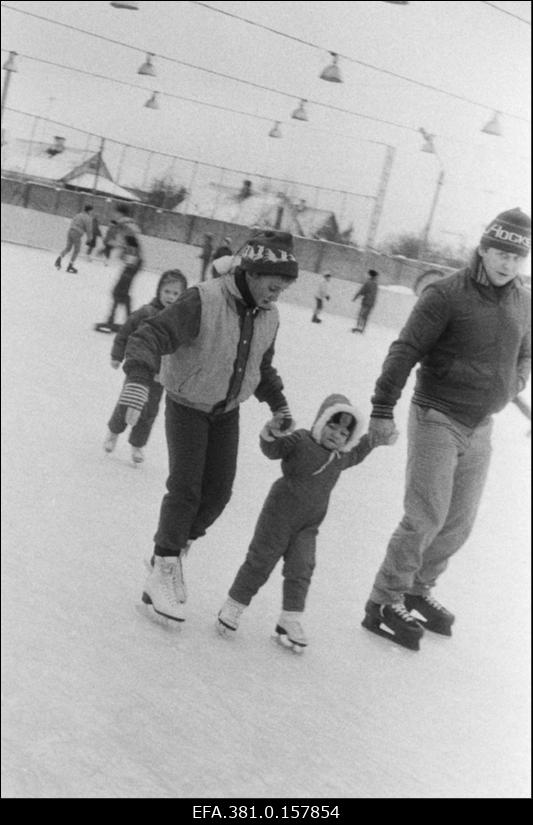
[(311, 462), (471, 334), (216, 346), (171, 284)]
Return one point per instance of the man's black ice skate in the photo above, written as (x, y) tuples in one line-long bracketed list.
[(393, 622), (57, 263), (71, 268), (433, 616)]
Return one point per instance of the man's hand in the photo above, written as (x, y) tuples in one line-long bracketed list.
[(382, 432), (282, 422), (115, 364)]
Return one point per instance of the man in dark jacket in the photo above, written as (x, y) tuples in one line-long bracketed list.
[(471, 334), (216, 346)]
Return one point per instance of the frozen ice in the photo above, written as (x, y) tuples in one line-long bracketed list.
[(100, 702)]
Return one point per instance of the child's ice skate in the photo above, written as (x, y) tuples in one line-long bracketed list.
[(433, 615), (159, 594), (110, 441), (394, 622), (229, 617), (57, 263), (137, 455), (289, 632)]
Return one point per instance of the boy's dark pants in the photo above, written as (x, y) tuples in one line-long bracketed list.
[(121, 290), (202, 453), (140, 433)]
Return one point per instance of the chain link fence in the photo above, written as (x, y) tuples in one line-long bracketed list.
[(43, 150)]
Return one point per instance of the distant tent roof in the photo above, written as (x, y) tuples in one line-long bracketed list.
[(86, 181)]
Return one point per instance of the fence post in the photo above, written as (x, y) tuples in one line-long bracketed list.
[(98, 164), (36, 120), (222, 170), (120, 162)]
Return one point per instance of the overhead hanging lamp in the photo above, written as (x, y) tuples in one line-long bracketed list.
[(152, 103), (275, 132), (130, 6), (147, 67), (9, 65), (300, 113), (493, 126), (331, 73), (428, 145)]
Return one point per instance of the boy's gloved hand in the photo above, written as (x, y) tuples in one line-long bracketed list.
[(134, 397), (382, 432), (115, 364), (282, 422)]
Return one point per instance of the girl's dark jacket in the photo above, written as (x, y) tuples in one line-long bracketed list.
[(473, 342)]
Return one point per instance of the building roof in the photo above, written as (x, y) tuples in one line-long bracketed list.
[(33, 159), (103, 185)]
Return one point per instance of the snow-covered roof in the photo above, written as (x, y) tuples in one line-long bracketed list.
[(86, 181), (34, 160)]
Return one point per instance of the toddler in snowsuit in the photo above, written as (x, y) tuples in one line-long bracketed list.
[(171, 284), (311, 461)]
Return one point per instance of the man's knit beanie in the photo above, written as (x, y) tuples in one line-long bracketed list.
[(509, 231), (269, 253)]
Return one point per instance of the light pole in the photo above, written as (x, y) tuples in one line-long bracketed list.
[(429, 147), (9, 67)]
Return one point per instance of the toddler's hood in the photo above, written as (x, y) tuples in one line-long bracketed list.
[(332, 405)]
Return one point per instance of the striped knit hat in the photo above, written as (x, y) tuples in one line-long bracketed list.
[(270, 253), (509, 231)]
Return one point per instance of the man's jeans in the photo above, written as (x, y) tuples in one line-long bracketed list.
[(447, 465)]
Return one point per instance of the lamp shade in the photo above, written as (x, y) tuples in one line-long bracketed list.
[(493, 126), (9, 65), (428, 145), (331, 73), (300, 113), (147, 67), (275, 132), (152, 102)]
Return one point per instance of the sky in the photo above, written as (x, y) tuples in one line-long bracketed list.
[(469, 49)]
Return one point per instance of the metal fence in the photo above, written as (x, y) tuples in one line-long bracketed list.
[(41, 149)]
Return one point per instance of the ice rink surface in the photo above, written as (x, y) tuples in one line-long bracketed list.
[(100, 702)]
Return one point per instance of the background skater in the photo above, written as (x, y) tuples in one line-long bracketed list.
[(368, 294)]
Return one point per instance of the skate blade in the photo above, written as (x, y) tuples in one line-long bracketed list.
[(442, 628), (380, 630), (163, 619), (282, 641)]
